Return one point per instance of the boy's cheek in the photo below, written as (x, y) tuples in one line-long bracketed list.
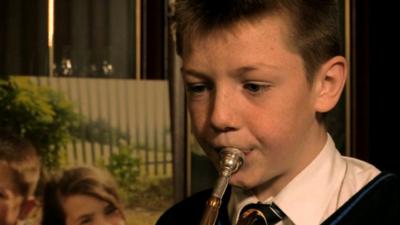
[(3, 213), (3, 210)]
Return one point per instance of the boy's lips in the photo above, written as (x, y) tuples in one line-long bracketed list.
[(245, 151)]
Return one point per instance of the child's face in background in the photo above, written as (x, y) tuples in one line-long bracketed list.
[(87, 210), (10, 200), (246, 89)]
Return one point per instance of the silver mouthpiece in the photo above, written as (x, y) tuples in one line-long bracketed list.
[(231, 159)]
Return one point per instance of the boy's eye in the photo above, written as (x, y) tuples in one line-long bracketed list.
[(4, 195), (110, 209), (255, 87), (196, 88)]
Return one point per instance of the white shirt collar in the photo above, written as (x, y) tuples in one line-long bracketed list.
[(302, 198)]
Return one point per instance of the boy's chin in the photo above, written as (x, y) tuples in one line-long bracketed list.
[(241, 183), (242, 186)]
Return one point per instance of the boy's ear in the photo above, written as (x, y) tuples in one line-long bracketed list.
[(329, 83), (26, 208)]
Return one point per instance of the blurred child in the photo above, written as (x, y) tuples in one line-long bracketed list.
[(19, 174), (82, 195)]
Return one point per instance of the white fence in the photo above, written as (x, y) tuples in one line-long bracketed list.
[(133, 113)]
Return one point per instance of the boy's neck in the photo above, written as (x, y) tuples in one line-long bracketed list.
[(275, 185)]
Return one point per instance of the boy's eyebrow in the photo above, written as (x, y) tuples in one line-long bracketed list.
[(239, 71), (193, 73), (244, 70), (256, 66), (247, 69)]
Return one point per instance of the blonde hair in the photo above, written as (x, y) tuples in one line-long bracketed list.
[(84, 180)]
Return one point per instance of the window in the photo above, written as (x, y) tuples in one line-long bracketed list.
[(108, 39)]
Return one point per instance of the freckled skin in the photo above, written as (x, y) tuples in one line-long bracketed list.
[(248, 89)]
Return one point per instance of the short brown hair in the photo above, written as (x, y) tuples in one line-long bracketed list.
[(83, 180), (18, 154), (314, 23)]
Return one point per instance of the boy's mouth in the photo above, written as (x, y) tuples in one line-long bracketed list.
[(244, 150)]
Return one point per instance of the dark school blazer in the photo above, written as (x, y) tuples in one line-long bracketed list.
[(377, 203)]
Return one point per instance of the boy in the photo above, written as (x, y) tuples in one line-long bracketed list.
[(19, 174), (260, 75)]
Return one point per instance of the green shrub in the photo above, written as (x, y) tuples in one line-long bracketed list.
[(41, 114), (125, 167), (152, 193)]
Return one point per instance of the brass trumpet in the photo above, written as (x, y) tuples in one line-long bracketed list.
[(231, 159)]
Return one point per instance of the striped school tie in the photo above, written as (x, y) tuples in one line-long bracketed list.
[(260, 214)]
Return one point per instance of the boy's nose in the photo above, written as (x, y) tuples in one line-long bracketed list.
[(223, 117)]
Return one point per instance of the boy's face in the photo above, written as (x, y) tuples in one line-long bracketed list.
[(10, 201), (246, 89)]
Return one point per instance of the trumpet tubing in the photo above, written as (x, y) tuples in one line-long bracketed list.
[(231, 159)]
